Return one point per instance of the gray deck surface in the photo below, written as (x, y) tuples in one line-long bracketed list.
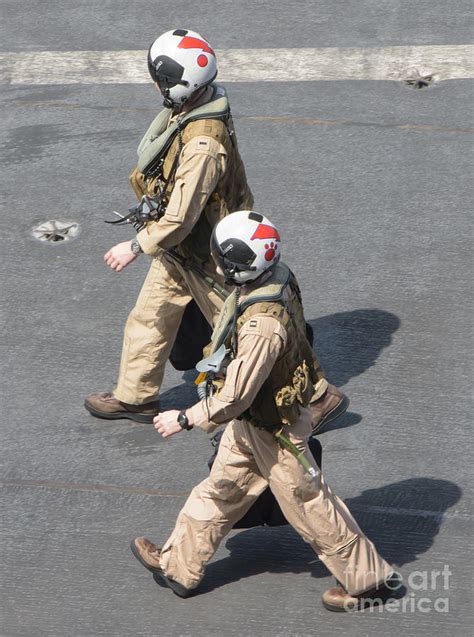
[(375, 221)]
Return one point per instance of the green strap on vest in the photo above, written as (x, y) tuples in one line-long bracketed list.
[(271, 291), (297, 453), (160, 135)]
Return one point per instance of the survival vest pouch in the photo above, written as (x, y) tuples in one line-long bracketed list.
[(265, 511)]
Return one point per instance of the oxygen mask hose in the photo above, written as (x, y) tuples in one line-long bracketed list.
[(299, 455)]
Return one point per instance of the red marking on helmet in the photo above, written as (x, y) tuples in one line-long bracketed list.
[(265, 232), (202, 60), (188, 42), (269, 254)]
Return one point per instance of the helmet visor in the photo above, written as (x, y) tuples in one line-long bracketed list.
[(232, 256), (166, 72)]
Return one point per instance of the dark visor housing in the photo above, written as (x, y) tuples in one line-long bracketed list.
[(232, 256), (165, 71)]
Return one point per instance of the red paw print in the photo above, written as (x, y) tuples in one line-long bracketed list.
[(270, 251)]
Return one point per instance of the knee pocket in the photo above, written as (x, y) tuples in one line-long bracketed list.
[(226, 490), (305, 492)]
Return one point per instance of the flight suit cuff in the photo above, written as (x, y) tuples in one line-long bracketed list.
[(148, 242), (198, 417)]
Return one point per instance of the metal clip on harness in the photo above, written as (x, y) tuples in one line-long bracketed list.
[(147, 209)]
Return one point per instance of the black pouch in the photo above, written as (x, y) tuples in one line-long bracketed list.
[(265, 511), (193, 335)]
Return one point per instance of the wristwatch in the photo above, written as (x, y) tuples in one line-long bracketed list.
[(183, 420), (135, 247)]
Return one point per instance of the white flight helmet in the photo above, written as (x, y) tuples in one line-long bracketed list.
[(245, 244), (181, 62)]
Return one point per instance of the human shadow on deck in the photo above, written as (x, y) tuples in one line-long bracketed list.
[(402, 519), (348, 343)]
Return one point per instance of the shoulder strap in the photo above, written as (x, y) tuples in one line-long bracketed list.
[(159, 136), (272, 290)]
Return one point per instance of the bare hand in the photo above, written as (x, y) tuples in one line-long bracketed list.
[(166, 423), (120, 256)]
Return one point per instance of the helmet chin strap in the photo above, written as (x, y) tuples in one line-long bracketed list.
[(229, 276), (258, 279), (178, 107), (168, 102)]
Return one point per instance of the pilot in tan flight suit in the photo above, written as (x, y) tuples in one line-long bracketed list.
[(259, 380)]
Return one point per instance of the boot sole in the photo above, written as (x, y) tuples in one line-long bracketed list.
[(341, 609), (362, 605), (335, 412), (176, 587), (383, 593), (146, 419)]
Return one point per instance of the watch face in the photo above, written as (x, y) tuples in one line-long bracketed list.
[(183, 421)]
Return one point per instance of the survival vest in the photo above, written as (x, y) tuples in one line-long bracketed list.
[(158, 159), (290, 384)]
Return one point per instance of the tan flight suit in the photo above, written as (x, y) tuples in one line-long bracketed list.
[(209, 183), (249, 459)]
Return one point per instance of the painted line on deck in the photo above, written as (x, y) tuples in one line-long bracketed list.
[(130, 490), (246, 65), (310, 121), (101, 488), (280, 119)]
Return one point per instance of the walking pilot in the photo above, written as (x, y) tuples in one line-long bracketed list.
[(189, 176), (259, 381)]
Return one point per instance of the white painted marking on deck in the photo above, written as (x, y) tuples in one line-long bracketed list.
[(246, 65)]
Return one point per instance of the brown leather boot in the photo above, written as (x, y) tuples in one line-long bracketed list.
[(338, 600), (105, 405), (332, 404), (148, 554)]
